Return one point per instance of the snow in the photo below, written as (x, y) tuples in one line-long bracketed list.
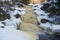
[(37, 6), (17, 10), (56, 27), (10, 33), (46, 25), (13, 21), (42, 15)]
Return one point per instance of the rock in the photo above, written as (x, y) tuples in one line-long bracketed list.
[(17, 16), (45, 7), (3, 15)]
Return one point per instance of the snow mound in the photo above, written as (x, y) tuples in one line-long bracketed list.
[(10, 33)]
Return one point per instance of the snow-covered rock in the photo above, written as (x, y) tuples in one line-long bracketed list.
[(56, 27), (36, 6), (17, 10), (15, 15), (43, 15)]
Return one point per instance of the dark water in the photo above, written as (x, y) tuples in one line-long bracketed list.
[(46, 36)]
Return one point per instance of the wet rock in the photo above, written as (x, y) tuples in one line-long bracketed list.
[(54, 12), (3, 15), (45, 6), (45, 21), (38, 23), (2, 26), (8, 16), (17, 15), (3, 23)]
